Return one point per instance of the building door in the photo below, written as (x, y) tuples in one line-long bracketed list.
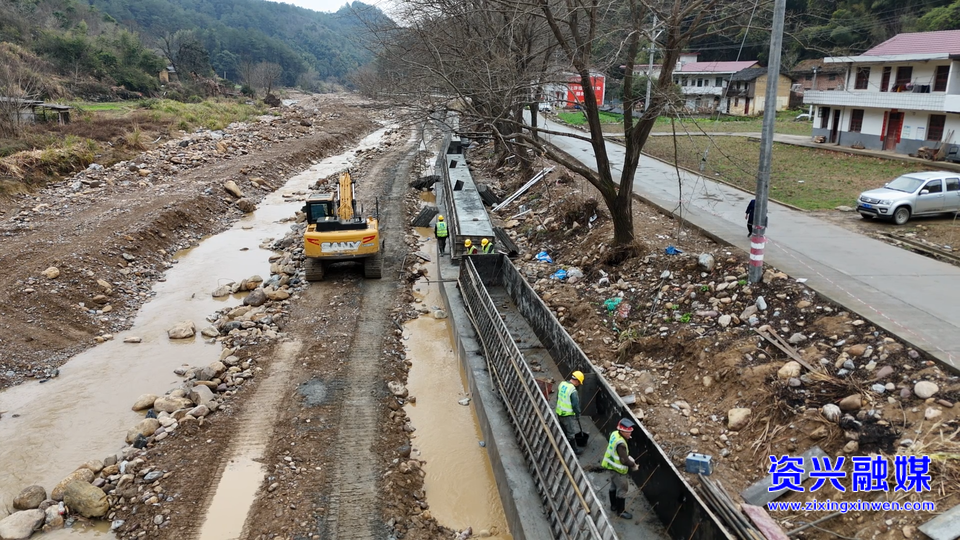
[(835, 128), (746, 106), (892, 137)]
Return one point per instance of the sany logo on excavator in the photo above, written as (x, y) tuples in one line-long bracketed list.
[(334, 247)]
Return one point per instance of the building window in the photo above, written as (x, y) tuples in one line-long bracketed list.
[(824, 113), (699, 83), (831, 77), (719, 81), (736, 102), (940, 81), (904, 76), (885, 79), (808, 77), (863, 78), (935, 127), (856, 120)]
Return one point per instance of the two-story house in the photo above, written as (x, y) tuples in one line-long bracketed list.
[(816, 75), (704, 83), (898, 96), (747, 92)]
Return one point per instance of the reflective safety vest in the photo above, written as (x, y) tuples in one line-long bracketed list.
[(441, 229), (564, 403), (488, 248), (611, 459)]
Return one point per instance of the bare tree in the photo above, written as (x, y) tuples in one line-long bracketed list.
[(501, 53), (265, 75)]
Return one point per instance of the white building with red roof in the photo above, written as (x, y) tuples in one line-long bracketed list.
[(704, 84), (899, 96)]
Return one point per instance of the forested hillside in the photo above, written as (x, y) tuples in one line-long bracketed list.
[(308, 45), (818, 28)]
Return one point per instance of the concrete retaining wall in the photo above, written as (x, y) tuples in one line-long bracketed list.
[(683, 513)]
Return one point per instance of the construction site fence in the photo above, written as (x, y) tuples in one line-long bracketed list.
[(572, 507), (683, 513)]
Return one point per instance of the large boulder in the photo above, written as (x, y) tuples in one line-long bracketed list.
[(738, 419), (182, 330), (144, 402), (169, 404), (20, 525), (86, 499), (256, 298), (146, 427), (201, 395), (83, 474), (233, 189), (246, 205), (30, 498)]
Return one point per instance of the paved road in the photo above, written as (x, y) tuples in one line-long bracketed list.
[(911, 296)]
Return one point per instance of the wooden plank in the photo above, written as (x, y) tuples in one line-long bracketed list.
[(946, 526), (770, 529), (758, 494), (778, 342)]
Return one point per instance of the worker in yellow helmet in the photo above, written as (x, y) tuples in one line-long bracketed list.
[(469, 248), (486, 246), (441, 233), (568, 408)]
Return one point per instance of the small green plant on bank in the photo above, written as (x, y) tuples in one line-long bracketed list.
[(742, 282), (685, 318), (704, 288)]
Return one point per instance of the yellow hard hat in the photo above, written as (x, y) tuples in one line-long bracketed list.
[(467, 243), (439, 218), (578, 375), (484, 242)]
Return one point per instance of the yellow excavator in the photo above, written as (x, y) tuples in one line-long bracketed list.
[(337, 231)]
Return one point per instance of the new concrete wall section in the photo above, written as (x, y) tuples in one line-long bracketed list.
[(683, 513), (518, 493)]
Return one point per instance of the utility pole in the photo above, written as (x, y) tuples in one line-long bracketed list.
[(766, 145), (813, 87), (653, 49)]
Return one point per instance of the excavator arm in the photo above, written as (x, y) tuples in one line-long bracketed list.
[(348, 204)]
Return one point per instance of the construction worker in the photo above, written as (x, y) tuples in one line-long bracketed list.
[(440, 232), (568, 408), (469, 248), (618, 461), (486, 246)]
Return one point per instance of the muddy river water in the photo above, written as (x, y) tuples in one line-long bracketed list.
[(459, 481), (50, 429)]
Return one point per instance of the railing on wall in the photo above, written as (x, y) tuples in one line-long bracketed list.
[(573, 508)]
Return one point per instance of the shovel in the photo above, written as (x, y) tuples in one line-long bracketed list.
[(581, 438)]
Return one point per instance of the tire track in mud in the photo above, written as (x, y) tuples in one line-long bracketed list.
[(354, 503), (253, 431)]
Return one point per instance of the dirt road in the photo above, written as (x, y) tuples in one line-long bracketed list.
[(318, 418)]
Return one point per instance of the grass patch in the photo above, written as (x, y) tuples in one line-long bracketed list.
[(117, 106), (809, 178), (785, 124), (209, 114), (577, 118)]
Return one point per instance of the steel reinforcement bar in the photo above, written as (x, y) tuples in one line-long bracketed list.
[(572, 506)]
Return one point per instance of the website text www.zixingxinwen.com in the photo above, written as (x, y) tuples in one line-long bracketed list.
[(852, 506)]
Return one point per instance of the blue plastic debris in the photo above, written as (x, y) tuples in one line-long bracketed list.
[(560, 274), (699, 464), (544, 257), (673, 251)]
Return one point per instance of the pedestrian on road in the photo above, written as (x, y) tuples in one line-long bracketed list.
[(440, 232), (486, 246), (618, 461), (568, 408), (469, 248), (750, 212)]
